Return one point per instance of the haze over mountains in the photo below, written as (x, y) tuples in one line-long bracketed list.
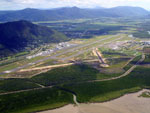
[(71, 13)]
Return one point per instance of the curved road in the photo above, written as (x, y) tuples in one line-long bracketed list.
[(74, 96), (123, 75)]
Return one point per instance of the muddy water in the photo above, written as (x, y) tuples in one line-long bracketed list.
[(129, 103)]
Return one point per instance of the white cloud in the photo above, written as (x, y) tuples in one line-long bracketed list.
[(27, 1), (17, 4), (20, 1)]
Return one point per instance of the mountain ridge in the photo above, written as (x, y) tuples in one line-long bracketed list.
[(71, 13)]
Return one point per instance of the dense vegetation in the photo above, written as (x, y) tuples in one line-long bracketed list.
[(143, 30), (63, 75), (15, 85), (34, 100), (86, 29), (86, 92), (104, 91), (70, 75), (23, 35)]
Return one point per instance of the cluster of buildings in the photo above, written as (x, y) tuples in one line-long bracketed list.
[(129, 44), (147, 43), (142, 43), (117, 45), (59, 46)]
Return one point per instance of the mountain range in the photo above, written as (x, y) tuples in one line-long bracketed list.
[(71, 13)]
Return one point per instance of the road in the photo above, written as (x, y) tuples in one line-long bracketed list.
[(71, 49), (123, 75), (91, 81), (26, 90)]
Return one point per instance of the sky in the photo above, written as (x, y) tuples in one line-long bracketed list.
[(47, 4)]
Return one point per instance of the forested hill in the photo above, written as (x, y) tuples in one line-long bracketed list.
[(23, 35)]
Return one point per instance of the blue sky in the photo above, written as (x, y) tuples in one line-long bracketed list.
[(20, 4)]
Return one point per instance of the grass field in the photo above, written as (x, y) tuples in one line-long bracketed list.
[(18, 63)]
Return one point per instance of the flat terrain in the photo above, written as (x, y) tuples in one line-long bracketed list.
[(62, 54)]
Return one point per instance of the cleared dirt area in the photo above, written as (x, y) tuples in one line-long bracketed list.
[(102, 60), (45, 67), (130, 103)]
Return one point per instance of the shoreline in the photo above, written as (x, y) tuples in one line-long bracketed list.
[(86, 106), (91, 102), (50, 109)]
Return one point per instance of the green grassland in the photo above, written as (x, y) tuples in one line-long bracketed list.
[(112, 53), (17, 63), (49, 62), (91, 45)]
